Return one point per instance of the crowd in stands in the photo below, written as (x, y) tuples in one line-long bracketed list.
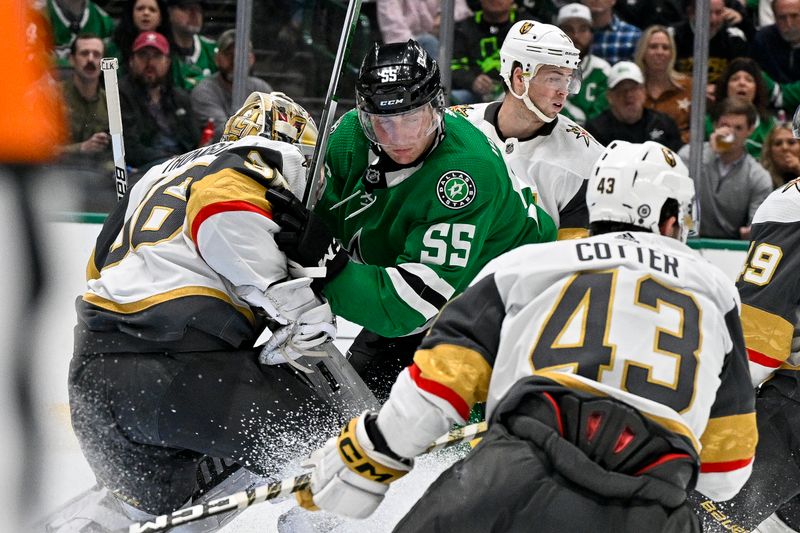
[(636, 59)]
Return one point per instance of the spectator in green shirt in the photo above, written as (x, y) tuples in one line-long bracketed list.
[(193, 54), (69, 18)]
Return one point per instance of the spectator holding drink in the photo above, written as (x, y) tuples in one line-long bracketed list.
[(732, 184)]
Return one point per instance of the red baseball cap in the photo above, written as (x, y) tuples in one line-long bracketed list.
[(152, 39)]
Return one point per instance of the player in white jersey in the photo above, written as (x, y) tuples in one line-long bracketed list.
[(769, 286), (184, 276), (613, 367), (550, 154)]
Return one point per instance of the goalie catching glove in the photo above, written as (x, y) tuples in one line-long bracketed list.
[(352, 472), (305, 239)]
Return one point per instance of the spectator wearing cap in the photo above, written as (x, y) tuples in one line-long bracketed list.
[(213, 96), (627, 119), (70, 18), (576, 21), (476, 51), (614, 39), (193, 56), (137, 16), (156, 115), (731, 184)]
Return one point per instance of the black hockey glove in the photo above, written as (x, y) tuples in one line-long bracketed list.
[(305, 239)]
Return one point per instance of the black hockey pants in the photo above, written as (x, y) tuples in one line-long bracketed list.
[(526, 474), (145, 421)]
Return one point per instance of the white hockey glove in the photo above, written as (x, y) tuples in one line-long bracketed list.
[(307, 320), (310, 330), (351, 476)]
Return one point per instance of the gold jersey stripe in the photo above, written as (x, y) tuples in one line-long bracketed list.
[(729, 438), (766, 333), (150, 301), (91, 269), (225, 186), (460, 369), (571, 382), (565, 234)]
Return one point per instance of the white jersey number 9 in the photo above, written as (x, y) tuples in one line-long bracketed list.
[(762, 263)]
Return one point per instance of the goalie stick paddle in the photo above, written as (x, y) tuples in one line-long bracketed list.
[(316, 176), (278, 489), (109, 67)]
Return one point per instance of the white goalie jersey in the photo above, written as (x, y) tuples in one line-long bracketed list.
[(191, 247), (551, 168)]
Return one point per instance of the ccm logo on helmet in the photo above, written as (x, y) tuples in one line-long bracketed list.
[(390, 102)]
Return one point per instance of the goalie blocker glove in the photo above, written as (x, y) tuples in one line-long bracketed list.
[(352, 472), (305, 239)]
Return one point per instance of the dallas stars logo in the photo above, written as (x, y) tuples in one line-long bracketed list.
[(580, 133), (455, 189)]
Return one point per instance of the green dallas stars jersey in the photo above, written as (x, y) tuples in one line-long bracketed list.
[(591, 99), (188, 71), (418, 236), (93, 20)]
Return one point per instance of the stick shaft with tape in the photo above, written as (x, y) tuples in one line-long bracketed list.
[(109, 67)]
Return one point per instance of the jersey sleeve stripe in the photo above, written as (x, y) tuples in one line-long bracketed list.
[(222, 207), (410, 296), (420, 287), (729, 439), (439, 390), (766, 334), (460, 374), (728, 466), (761, 359), (429, 277)]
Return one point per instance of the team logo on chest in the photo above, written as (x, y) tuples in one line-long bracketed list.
[(455, 189)]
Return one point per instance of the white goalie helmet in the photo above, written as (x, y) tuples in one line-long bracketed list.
[(630, 183), (533, 44)]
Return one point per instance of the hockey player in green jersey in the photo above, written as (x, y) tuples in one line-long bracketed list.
[(613, 370), (420, 199)]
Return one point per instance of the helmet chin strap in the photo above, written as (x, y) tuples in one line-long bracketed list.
[(527, 99)]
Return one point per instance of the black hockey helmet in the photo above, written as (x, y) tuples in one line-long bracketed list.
[(398, 77)]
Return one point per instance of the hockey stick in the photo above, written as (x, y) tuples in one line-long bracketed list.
[(278, 489), (316, 176), (109, 67)]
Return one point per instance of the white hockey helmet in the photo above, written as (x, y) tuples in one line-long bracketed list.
[(533, 44), (631, 182)]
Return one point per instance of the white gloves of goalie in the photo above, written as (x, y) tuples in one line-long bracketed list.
[(307, 321), (350, 476)]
